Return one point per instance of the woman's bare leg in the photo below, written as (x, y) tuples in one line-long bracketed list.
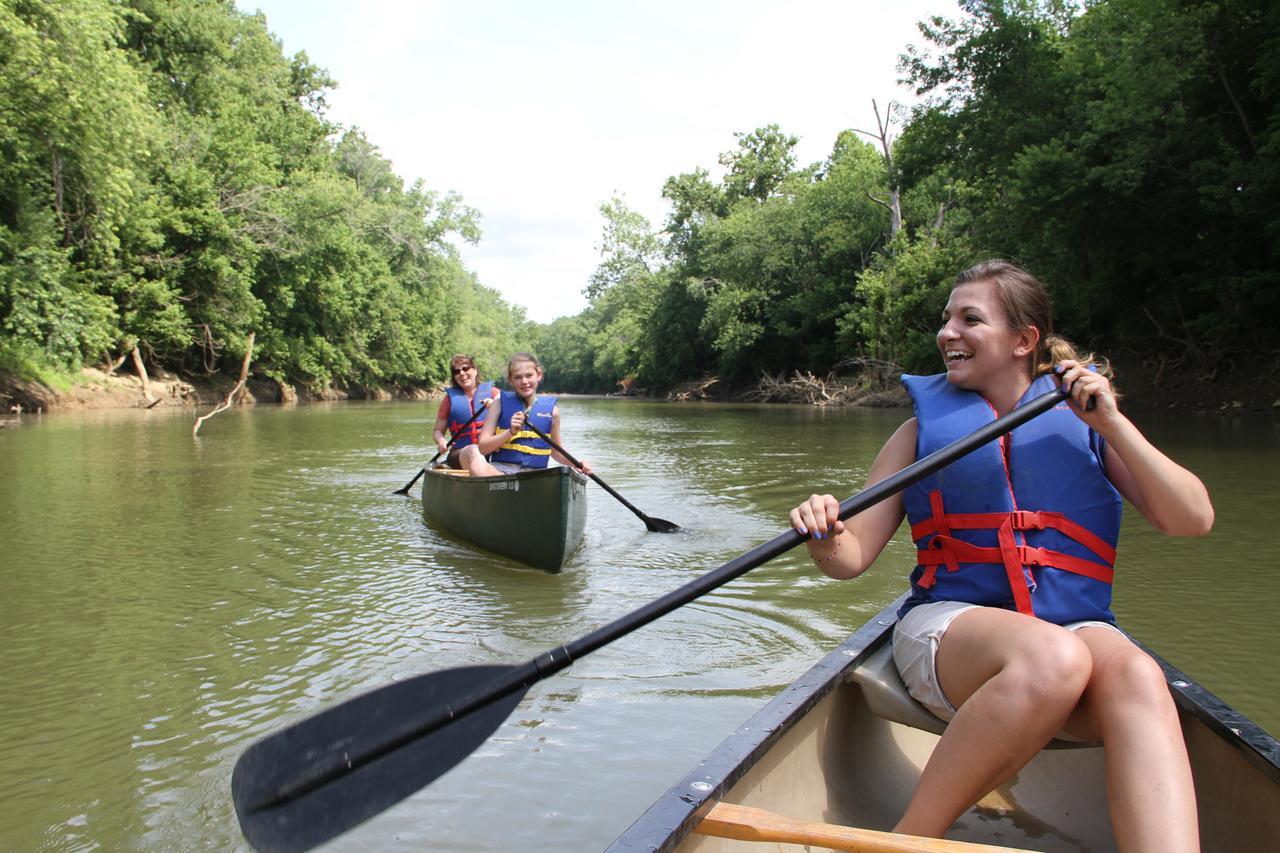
[(1015, 679), (472, 460), (1128, 707), (468, 455)]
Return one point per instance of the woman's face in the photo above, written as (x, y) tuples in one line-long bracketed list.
[(464, 376), (975, 340), (524, 377)]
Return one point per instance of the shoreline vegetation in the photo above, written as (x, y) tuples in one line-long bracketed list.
[(855, 383), (197, 217)]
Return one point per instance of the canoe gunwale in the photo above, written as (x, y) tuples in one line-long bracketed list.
[(674, 815), (440, 470), (670, 819), (1261, 749)]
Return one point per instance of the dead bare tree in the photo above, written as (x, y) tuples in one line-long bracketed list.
[(239, 386), (894, 202), (142, 375)]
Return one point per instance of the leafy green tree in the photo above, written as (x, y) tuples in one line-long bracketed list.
[(1118, 151), (764, 160), (75, 131), (900, 297)]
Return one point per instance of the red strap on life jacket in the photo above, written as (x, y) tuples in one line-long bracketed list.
[(940, 525), (1021, 520), (945, 549), (472, 429)]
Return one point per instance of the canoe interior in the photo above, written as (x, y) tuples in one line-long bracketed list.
[(534, 517), (817, 752)]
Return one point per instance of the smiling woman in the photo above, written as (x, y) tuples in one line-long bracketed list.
[(1008, 627), (462, 411), (997, 307)]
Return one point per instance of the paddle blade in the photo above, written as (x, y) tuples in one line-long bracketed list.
[(409, 485), (316, 779), (660, 525)]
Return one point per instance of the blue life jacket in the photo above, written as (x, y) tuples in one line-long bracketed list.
[(1028, 523), (461, 409), (525, 448)]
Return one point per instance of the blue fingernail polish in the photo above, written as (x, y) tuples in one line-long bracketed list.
[(1058, 369), (804, 531)]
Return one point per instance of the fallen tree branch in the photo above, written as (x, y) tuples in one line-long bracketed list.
[(226, 404), (142, 374)]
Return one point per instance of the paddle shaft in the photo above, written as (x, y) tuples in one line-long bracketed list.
[(761, 554), (519, 678), (567, 455), (453, 436), (554, 660)]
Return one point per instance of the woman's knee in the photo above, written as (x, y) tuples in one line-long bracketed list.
[(1058, 664), (1134, 676)]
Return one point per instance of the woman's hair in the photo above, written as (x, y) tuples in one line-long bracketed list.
[(523, 356), (457, 361), (1026, 303)]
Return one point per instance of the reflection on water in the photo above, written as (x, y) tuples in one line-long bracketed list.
[(165, 601)]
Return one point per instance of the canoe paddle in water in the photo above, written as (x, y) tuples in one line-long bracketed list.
[(448, 444), (655, 525), (304, 785)]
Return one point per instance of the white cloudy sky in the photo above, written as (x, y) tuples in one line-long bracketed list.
[(537, 112)]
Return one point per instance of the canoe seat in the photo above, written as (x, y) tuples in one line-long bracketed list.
[(887, 697)]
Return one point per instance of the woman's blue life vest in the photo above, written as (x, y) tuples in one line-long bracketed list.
[(1027, 523), (525, 448), (461, 409)]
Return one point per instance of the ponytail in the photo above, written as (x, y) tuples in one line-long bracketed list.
[(1056, 348)]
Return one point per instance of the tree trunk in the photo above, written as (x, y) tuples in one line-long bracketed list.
[(142, 374)]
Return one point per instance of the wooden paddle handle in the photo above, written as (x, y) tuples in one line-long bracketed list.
[(744, 823)]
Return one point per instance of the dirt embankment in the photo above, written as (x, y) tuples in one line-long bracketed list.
[(99, 390)]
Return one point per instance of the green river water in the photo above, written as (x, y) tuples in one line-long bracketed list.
[(165, 601)]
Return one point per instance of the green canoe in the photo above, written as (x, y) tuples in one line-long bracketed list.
[(535, 517)]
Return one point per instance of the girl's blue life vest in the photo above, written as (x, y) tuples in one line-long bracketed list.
[(1028, 523), (461, 409), (525, 448)]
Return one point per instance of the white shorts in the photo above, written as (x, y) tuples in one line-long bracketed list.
[(915, 650), (512, 467)]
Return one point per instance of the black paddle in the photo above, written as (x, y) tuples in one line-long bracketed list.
[(655, 525), (452, 438), (306, 784)]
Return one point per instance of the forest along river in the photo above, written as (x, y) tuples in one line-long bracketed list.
[(164, 602)]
